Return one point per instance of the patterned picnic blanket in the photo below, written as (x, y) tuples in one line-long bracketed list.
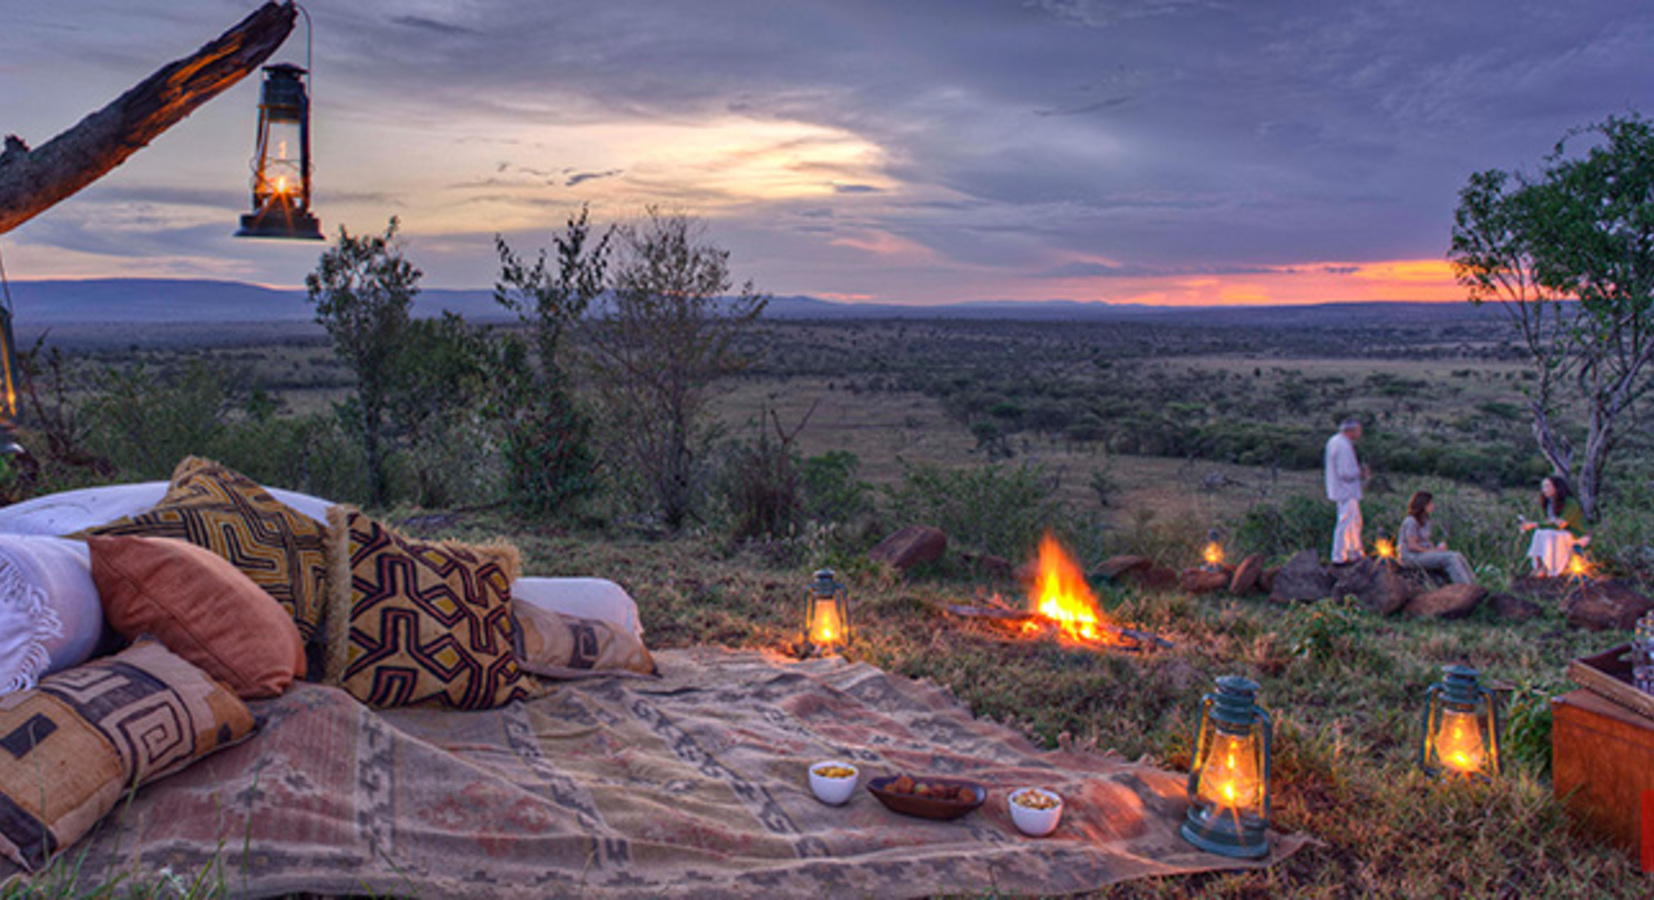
[(692, 785)]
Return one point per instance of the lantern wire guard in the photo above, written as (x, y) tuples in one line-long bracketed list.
[(1229, 780), (1461, 728), (280, 210)]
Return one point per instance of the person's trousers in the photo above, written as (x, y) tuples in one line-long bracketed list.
[(1449, 561), (1346, 538)]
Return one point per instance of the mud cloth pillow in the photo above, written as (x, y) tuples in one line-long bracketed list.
[(554, 645), (201, 607), (71, 747), (414, 622), (278, 547)]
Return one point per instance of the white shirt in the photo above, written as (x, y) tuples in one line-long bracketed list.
[(1343, 469)]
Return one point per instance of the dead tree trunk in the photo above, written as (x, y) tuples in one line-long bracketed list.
[(32, 181)]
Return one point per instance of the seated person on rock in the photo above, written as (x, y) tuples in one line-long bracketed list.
[(1418, 549), (1560, 529)]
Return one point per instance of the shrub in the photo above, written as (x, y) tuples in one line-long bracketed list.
[(1297, 523), (998, 509)]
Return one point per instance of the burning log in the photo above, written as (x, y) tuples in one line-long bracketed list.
[(1024, 622)]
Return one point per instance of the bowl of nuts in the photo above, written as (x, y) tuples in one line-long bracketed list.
[(1035, 811), (928, 798), (833, 781)]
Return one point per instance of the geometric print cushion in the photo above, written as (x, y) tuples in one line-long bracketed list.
[(70, 748), (552, 645), (281, 549), (415, 622)]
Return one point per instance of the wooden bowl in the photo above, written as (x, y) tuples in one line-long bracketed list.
[(927, 807)]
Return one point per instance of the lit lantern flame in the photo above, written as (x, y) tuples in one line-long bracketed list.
[(1459, 742), (1213, 555), (1579, 566), (1385, 548), (825, 629), (1061, 595), (1229, 778)]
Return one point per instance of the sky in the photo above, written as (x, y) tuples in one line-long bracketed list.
[(1208, 152)]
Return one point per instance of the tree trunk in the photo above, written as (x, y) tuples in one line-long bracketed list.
[(32, 181)]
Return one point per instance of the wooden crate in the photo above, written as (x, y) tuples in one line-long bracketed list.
[(1602, 760), (1609, 674)]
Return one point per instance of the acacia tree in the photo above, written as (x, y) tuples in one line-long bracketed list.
[(363, 289), (548, 432), (1570, 255), (667, 335)]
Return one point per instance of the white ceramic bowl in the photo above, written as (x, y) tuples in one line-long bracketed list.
[(834, 791), (1035, 822)]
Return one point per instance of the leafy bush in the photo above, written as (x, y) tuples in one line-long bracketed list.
[(998, 509), (832, 492), (1298, 523)]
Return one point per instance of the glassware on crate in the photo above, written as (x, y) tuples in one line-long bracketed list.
[(1642, 654)]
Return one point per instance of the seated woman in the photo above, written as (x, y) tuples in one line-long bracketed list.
[(1560, 529), (1418, 549)]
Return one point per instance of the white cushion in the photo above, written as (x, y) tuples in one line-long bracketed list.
[(70, 511), (583, 598), (50, 618)]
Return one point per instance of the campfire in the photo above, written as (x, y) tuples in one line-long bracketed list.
[(1060, 607)]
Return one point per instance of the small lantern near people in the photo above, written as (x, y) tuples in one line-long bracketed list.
[(1385, 549), (1461, 728), (281, 161), (1229, 780), (1212, 555), (826, 616)]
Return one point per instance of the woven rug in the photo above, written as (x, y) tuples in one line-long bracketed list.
[(691, 785)]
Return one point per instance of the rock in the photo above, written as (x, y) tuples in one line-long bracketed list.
[(1512, 608), (1154, 578), (1245, 580), (1452, 602), (1203, 581), (1115, 566), (1599, 605), (1380, 586), (1301, 580), (910, 546)]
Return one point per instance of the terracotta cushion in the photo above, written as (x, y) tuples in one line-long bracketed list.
[(201, 607), (71, 748), (415, 622)]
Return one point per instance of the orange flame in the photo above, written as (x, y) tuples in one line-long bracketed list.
[(1579, 566), (1384, 548), (1213, 554), (1060, 594), (825, 630)]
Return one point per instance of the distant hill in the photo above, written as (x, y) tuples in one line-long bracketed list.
[(204, 303)]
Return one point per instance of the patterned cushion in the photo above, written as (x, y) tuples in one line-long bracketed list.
[(554, 645), (278, 547), (413, 622), (70, 748)]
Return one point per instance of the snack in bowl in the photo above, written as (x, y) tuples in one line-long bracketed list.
[(833, 781), (1035, 811), (930, 798)]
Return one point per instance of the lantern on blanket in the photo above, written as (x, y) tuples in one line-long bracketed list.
[(1461, 728), (281, 161), (826, 615), (1229, 779)]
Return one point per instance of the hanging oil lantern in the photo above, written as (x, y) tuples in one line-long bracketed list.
[(1461, 728), (826, 615), (1229, 779), (281, 161), (9, 381)]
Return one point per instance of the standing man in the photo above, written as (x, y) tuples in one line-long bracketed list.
[(1344, 476)]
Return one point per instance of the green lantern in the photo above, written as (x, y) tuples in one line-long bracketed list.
[(826, 615), (1461, 728), (1229, 779)]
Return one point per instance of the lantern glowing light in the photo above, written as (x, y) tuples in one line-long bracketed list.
[(1229, 778), (1461, 728), (826, 615), (281, 162), (1213, 556), (1385, 548)]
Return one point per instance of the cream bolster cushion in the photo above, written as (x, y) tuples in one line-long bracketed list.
[(50, 617), (70, 511)]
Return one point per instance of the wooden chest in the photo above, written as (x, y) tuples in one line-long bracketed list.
[(1604, 754)]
